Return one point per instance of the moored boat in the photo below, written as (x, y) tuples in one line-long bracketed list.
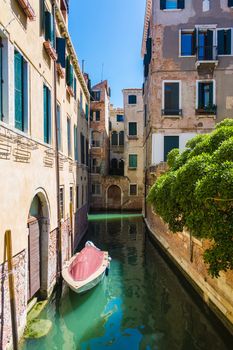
[(86, 268)]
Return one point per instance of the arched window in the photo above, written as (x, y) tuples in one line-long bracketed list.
[(114, 138), (121, 138)]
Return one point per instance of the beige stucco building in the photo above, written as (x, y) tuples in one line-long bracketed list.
[(41, 172), (188, 55)]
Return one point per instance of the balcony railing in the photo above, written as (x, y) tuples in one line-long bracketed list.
[(207, 53), (207, 110), (173, 112)]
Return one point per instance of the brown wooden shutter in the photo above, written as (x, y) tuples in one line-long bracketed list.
[(34, 257)]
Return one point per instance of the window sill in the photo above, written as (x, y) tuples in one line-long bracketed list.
[(172, 10), (168, 116), (129, 168), (50, 50), (132, 137), (27, 9)]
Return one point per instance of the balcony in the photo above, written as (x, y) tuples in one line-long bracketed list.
[(207, 57), (208, 110), (50, 50), (96, 143), (167, 112), (27, 9)]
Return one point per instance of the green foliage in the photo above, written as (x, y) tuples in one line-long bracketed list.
[(197, 193)]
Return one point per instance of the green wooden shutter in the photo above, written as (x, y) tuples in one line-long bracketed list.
[(180, 4), (42, 16), (228, 42), (61, 51), (221, 42), (200, 95), (133, 129), (133, 161), (18, 63), (71, 76), (75, 88), (49, 116), (209, 45), (87, 111), (1, 89), (45, 115), (52, 32), (170, 142), (211, 85), (162, 4)]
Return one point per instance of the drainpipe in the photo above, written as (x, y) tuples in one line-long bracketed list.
[(59, 265)]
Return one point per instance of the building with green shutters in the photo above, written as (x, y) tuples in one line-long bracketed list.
[(44, 145)]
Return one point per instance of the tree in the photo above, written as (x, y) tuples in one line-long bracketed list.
[(197, 194)]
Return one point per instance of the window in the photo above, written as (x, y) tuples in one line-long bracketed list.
[(69, 136), (87, 153), (224, 42), (171, 98), (47, 115), (49, 28), (96, 139), (62, 207), (71, 195), (230, 3), (95, 169), (21, 92), (77, 197), (171, 4), (1, 79), (120, 118), (96, 189), (81, 102), (114, 138), (133, 189), (97, 116), (82, 148), (133, 161), (132, 129), (96, 95), (59, 127), (132, 99), (121, 138), (170, 142), (188, 43), (206, 98), (75, 143), (206, 50)]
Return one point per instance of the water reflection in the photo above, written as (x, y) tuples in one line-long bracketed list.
[(141, 305)]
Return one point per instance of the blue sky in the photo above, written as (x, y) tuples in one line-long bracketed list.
[(109, 32)]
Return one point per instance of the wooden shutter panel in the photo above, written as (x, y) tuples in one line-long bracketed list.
[(68, 71), (200, 95), (211, 93), (18, 63), (194, 42), (59, 127), (71, 75), (45, 115), (42, 16), (209, 50), (61, 51), (162, 4), (180, 4), (48, 26), (228, 42), (49, 115), (121, 138), (221, 42)]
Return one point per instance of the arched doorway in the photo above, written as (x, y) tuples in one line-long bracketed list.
[(114, 197), (38, 243)]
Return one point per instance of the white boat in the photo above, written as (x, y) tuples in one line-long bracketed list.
[(86, 268)]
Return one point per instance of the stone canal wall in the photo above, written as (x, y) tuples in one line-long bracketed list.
[(187, 254)]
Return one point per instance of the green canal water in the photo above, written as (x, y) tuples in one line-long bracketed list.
[(142, 305)]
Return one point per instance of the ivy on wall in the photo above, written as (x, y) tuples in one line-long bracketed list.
[(197, 194)]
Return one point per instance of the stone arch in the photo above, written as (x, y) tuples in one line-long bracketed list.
[(38, 244), (114, 197)]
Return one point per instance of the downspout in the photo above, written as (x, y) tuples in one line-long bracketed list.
[(59, 233)]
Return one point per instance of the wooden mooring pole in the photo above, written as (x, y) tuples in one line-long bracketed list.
[(8, 242)]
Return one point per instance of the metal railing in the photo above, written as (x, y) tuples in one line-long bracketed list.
[(211, 110), (174, 112)]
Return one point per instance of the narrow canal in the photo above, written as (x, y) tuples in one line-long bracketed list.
[(142, 305)]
